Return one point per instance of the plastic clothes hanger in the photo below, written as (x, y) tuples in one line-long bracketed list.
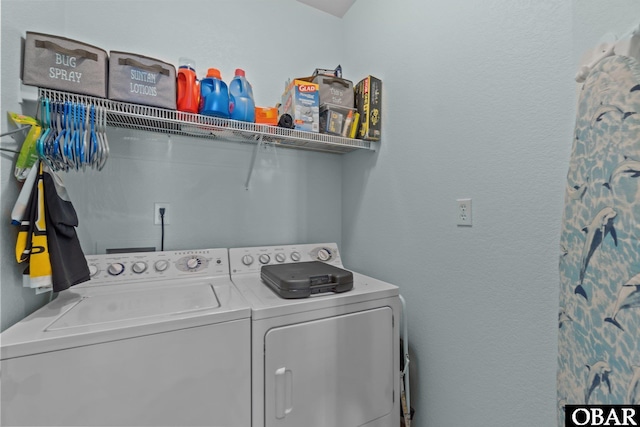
[(44, 107), (102, 136), (94, 138), (78, 152), (58, 143), (85, 137), (67, 153)]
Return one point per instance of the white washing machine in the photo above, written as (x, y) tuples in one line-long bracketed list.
[(157, 338), (328, 360)]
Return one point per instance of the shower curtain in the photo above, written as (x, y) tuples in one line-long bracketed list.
[(599, 310)]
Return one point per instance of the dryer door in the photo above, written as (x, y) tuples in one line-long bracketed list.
[(336, 371)]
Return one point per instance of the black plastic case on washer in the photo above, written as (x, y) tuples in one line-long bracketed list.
[(302, 279)]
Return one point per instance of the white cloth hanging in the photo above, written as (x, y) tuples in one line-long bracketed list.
[(609, 45)]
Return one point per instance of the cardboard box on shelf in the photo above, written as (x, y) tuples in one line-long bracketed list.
[(369, 104), (301, 101)]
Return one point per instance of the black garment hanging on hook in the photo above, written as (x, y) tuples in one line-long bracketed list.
[(68, 263)]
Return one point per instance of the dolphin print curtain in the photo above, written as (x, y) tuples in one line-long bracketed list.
[(599, 265)]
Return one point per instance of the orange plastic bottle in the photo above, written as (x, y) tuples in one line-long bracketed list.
[(188, 88)]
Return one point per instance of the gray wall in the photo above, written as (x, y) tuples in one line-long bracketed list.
[(479, 102)]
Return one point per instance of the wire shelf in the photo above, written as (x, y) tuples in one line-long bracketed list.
[(142, 117)]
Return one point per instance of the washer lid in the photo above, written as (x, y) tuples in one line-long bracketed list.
[(95, 315), (128, 305)]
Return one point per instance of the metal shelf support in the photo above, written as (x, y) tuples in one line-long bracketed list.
[(253, 162)]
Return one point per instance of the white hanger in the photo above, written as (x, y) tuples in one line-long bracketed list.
[(627, 45)]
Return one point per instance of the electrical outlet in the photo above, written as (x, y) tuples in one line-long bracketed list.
[(464, 212), (156, 213)]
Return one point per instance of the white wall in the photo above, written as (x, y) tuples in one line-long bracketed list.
[(479, 103), (294, 196)]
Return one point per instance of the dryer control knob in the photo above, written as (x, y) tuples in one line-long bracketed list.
[(247, 260), (139, 267), (93, 270), (324, 254), (295, 256), (264, 259), (193, 263), (115, 268), (280, 257), (161, 265)]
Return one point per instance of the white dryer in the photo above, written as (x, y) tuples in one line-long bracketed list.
[(158, 338), (326, 360)]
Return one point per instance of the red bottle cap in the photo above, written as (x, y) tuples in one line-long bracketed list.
[(239, 72)]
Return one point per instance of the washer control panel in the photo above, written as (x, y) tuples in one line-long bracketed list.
[(139, 266), (251, 260)]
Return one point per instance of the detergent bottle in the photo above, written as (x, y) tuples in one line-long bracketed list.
[(214, 95), (188, 90), (241, 104)]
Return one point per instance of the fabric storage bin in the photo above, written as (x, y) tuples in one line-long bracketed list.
[(60, 63), (334, 90), (141, 80)]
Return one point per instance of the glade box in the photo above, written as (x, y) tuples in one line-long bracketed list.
[(300, 100), (55, 62), (141, 80)]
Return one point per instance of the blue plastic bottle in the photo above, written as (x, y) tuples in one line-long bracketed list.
[(241, 104), (214, 95)]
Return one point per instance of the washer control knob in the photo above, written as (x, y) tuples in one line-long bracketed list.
[(93, 270), (247, 260), (193, 263), (295, 256), (161, 265), (324, 254), (264, 259), (280, 257), (115, 268), (139, 267)]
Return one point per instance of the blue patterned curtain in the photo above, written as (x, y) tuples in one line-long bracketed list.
[(599, 312)]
